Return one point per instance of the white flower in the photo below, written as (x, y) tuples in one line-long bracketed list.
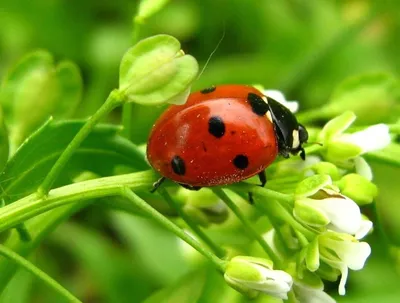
[(277, 95), (327, 207), (308, 294), (365, 227), (249, 275), (372, 138), (343, 252), (339, 147)]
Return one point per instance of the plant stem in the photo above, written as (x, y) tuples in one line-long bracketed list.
[(127, 108), (8, 253), (140, 203), (32, 205), (274, 208), (197, 230), (247, 224), (113, 100)]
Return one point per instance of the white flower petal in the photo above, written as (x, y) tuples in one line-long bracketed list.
[(364, 229), (363, 168), (277, 95), (307, 294), (354, 254), (343, 279), (344, 214), (372, 138), (276, 282)]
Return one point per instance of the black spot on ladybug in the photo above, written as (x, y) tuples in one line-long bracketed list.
[(258, 105), (241, 161), (178, 165), (216, 126), (208, 90)]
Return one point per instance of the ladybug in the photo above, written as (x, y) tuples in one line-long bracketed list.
[(222, 135)]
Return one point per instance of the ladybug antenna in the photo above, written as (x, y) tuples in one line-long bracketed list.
[(309, 143), (213, 52)]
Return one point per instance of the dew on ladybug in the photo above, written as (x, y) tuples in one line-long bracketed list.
[(222, 135)]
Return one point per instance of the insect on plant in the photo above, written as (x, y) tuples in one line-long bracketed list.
[(164, 193)]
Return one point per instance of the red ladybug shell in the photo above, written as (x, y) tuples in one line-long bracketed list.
[(219, 136)]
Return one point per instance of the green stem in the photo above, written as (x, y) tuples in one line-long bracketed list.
[(113, 100), (197, 230), (32, 205), (8, 253), (274, 208), (128, 108), (247, 224), (266, 193), (140, 203)]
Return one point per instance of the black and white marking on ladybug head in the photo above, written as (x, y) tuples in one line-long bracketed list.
[(290, 134)]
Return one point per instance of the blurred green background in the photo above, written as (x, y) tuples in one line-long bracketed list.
[(304, 48)]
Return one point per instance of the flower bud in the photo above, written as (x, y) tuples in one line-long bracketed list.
[(326, 168), (156, 71), (358, 188), (35, 89), (251, 275)]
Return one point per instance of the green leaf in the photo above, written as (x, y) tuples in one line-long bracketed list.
[(147, 8), (39, 227), (116, 276), (155, 71), (70, 88), (101, 152), (36, 89), (374, 97), (144, 239), (4, 147), (186, 290), (389, 155)]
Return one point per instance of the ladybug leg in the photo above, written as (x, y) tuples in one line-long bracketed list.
[(302, 154), (263, 178), (190, 187), (251, 200), (157, 184)]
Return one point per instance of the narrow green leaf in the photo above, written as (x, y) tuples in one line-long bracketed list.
[(4, 147), (374, 97), (120, 279), (100, 153), (144, 238)]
